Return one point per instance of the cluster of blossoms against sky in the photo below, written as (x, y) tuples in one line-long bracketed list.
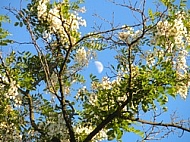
[(181, 39), (67, 27), (169, 37), (64, 25)]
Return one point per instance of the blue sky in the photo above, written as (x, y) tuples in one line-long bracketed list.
[(121, 16)]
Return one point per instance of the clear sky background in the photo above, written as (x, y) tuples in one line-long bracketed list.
[(121, 16)]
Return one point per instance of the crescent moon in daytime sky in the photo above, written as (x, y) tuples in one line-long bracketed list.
[(99, 66)]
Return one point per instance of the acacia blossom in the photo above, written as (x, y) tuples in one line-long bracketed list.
[(7, 125), (85, 130), (128, 35), (81, 56), (12, 92), (42, 9), (165, 31), (66, 25)]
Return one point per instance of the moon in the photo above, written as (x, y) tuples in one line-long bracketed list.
[(99, 66)]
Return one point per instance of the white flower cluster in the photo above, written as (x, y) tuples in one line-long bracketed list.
[(174, 37), (81, 130), (42, 9), (150, 59), (93, 98), (9, 132), (7, 128), (81, 56), (66, 25), (152, 56), (175, 29), (106, 84), (80, 93), (12, 92), (129, 35)]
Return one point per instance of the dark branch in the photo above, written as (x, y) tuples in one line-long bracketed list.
[(175, 125), (31, 111)]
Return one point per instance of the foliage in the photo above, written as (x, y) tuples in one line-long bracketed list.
[(43, 96), (4, 33)]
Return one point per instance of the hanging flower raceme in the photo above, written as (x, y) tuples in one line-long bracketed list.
[(173, 39), (85, 130), (128, 35), (61, 20), (12, 92), (42, 9), (81, 56)]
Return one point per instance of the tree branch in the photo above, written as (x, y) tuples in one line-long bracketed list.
[(31, 111), (175, 125), (108, 119)]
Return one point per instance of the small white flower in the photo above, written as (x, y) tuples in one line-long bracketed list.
[(81, 56), (82, 9), (124, 36), (106, 84)]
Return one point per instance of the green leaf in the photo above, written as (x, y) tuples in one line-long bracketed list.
[(145, 107), (119, 133), (21, 24), (160, 89), (111, 134), (150, 13), (16, 24), (93, 78), (138, 132)]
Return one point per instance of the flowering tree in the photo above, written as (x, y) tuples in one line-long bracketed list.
[(43, 92)]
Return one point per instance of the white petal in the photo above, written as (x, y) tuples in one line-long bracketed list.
[(99, 66)]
